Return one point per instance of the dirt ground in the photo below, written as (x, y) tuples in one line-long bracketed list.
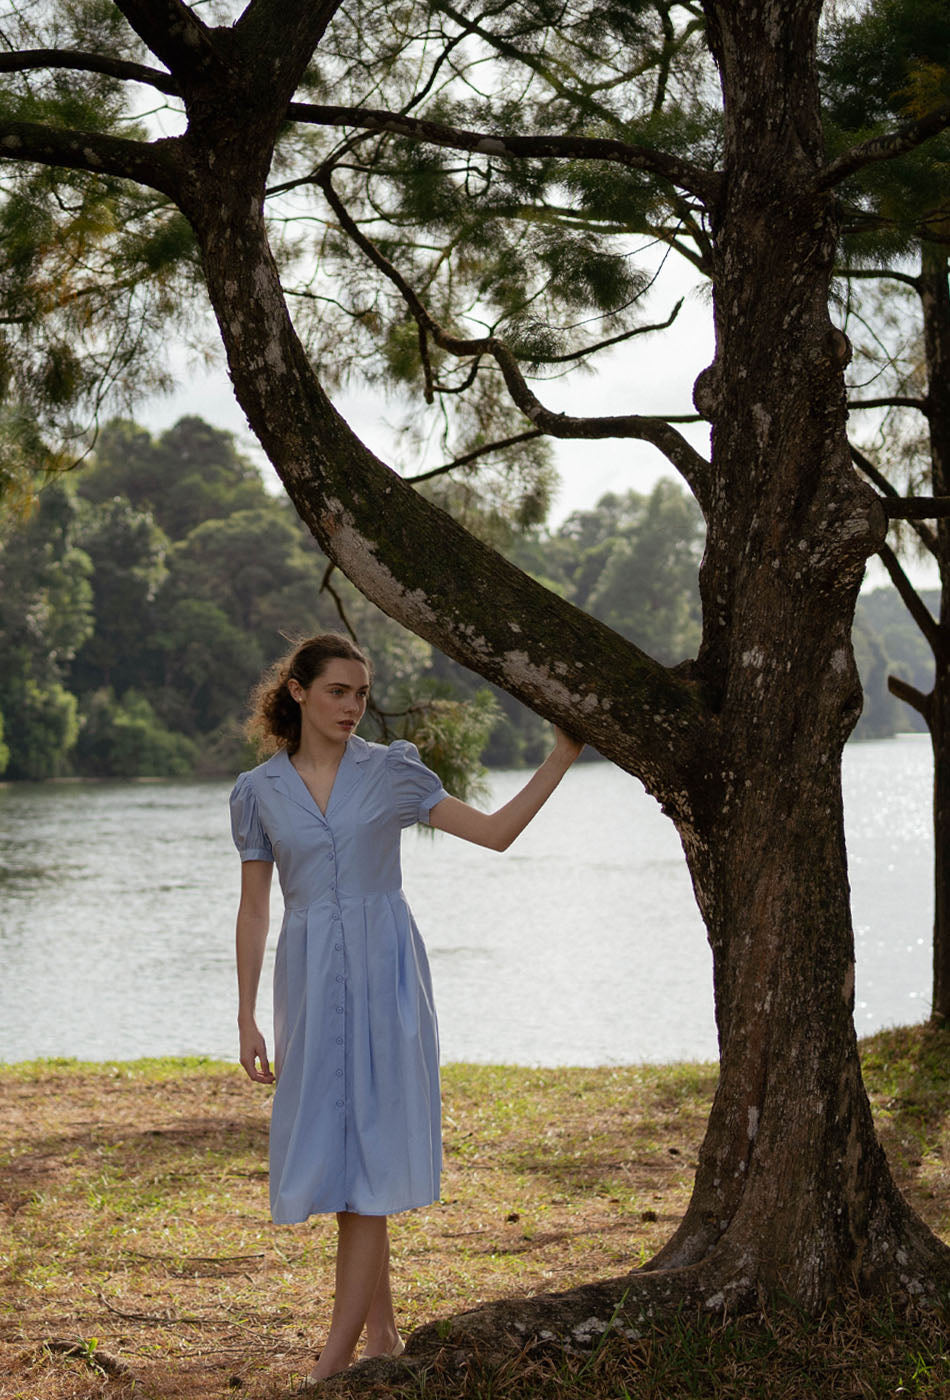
[(137, 1256)]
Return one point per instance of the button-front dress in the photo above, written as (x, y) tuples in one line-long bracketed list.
[(356, 1122)]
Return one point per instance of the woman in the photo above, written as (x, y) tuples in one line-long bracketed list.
[(356, 1125)]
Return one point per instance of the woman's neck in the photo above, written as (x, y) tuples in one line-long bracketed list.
[(316, 751)]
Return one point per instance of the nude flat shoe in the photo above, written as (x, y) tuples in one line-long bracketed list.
[(397, 1350)]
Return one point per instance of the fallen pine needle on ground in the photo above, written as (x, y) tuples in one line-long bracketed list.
[(138, 1257)]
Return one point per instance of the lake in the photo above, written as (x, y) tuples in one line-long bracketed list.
[(580, 945)]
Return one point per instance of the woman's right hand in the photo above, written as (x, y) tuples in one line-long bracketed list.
[(254, 1055), (567, 744)]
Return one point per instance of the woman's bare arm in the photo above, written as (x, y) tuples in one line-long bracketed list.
[(497, 830), (250, 937)]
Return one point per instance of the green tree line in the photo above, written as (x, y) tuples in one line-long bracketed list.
[(144, 594)]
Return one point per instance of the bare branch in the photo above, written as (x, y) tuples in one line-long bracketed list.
[(477, 452), (878, 274), (151, 163), (612, 340), (895, 401), (913, 602), (327, 587), (277, 41), (916, 507), (886, 147), (922, 531), (78, 61), (689, 463), (704, 184), (917, 700), (174, 33)]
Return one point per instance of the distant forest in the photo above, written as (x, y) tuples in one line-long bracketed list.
[(147, 590)]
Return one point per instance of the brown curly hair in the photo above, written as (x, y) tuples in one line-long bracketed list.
[(274, 720)]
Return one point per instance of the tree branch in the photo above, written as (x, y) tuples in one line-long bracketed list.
[(278, 40), (28, 59), (917, 700), (691, 464), (704, 184), (912, 600), (886, 147), (150, 163), (174, 33), (477, 452), (864, 464), (879, 273), (613, 339), (916, 507), (896, 401)]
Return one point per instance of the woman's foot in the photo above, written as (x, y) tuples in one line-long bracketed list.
[(326, 1366), (391, 1346)]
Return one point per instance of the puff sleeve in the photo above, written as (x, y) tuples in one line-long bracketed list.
[(415, 788), (246, 826)]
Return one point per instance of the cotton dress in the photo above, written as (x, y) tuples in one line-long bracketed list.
[(356, 1123)]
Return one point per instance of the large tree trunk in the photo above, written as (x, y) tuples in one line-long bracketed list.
[(793, 1190), (935, 302), (744, 750)]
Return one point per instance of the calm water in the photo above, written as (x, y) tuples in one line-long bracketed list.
[(581, 945)]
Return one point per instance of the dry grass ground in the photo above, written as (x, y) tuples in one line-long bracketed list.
[(138, 1257)]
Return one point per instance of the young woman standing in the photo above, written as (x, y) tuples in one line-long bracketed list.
[(356, 1124)]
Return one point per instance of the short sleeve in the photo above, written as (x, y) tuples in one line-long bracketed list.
[(246, 827), (416, 789)]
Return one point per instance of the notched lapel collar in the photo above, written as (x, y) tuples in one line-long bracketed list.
[(289, 783), (350, 773)]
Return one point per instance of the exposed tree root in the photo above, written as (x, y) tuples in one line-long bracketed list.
[(576, 1321)]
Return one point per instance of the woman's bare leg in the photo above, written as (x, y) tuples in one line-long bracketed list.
[(361, 1252), (382, 1334)]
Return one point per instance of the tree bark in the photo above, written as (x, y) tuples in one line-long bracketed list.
[(793, 1192)]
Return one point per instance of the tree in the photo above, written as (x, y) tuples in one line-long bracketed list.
[(191, 473), (742, 746), (45, 616), (890, 63), (127, 553), (638, 572)]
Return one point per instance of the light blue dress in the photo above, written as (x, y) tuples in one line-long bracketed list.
[(356, 1121)]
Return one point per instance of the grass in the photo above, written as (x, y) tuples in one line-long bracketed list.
[(137, 1256)]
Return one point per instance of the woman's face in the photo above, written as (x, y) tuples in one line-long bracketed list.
[(335, 702)]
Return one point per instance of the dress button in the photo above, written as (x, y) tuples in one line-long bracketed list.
[(338, 947), (339, 1010), (339, 1074), (339, 1103), (339, 1040), (339, 978)]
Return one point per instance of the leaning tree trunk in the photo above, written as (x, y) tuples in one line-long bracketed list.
[(935, 302), (793, 1191)]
